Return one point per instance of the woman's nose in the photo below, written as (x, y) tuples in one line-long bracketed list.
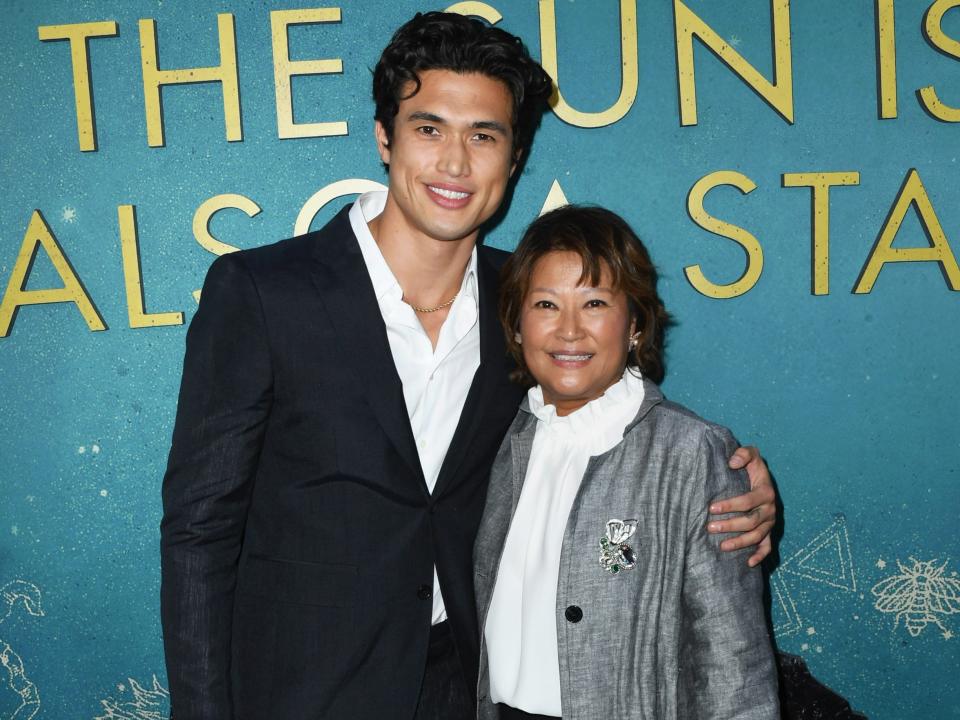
[(570, 327)]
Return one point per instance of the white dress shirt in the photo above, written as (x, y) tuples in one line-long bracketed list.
[(521, 625), (435, 381)]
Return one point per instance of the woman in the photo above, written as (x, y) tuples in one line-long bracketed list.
[(599, 591)]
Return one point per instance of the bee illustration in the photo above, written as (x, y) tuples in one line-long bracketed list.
[(615, 554), (919, 595)]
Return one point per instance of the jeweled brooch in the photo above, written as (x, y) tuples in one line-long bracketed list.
[(615, 554)]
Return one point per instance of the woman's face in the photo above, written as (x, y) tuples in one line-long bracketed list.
[(574, 337)]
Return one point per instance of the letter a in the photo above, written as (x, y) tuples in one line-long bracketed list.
[(38, 233)]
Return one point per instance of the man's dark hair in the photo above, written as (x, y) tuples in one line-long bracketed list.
[(449, 41)]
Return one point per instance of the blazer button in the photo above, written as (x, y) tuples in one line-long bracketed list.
[(424, 592), (573, 614)]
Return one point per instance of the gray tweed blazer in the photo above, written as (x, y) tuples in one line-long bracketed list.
[(682, 634)]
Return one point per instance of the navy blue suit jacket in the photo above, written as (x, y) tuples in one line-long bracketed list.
[(298, 537)]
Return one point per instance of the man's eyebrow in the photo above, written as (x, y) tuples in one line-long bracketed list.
[(490, 125), (426, 116), (493, 125)]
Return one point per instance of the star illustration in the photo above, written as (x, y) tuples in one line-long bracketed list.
[(734, 40), (69, 214), (947, 634), (881, 563)]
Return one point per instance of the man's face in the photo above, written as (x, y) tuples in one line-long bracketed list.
[(451, 155)]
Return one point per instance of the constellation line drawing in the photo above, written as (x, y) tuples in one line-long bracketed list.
[(826, 559), (919, 596), (16, 593), (152, 704)]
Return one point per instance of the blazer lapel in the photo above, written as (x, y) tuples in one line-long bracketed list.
[(485, 380), (521, 445), (343, 282)]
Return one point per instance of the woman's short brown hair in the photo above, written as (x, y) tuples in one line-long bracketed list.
[(602, 239)]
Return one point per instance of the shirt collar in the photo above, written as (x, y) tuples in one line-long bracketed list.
[(385, 286), (604, 417)]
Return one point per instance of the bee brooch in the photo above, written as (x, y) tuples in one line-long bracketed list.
[(615, 554)]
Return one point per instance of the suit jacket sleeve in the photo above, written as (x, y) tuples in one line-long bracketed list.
[(731, 672), (225, 399)]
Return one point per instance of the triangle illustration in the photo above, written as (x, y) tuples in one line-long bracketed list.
[(826, 559), (786, 619)]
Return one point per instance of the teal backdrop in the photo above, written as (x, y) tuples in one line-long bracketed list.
[(852, 396)]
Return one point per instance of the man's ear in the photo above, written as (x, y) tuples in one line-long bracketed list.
[(383, 142), (516, 161)]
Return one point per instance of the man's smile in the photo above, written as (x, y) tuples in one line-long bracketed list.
[(449, 196)]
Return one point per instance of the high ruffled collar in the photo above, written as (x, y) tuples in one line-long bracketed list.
[(606, 415)]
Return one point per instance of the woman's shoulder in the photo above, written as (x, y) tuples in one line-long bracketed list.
[(680, 427)]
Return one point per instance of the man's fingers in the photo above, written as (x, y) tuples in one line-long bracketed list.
[(754, 537), (763, 549), (743, 457), (742, 523), (755, 499)]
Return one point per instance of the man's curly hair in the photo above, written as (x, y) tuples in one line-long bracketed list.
[(449, 41)]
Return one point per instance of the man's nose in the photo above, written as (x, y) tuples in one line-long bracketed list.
[(454, 158)]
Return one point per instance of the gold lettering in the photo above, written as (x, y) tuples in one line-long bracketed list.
[(740, 236), (78, 34), (133, 275), (629, 71), (477, 9), (206, 211), (341, 188), (555, 198), (284, 68), (779, 94), (820, 184), (933, 31), (38, 234), (913, 193), (886, 59), (225, 73)]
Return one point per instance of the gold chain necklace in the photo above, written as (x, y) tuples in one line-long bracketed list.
[(433, 309)]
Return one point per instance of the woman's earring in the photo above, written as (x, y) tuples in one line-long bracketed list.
[(634, 340), (517, 339)]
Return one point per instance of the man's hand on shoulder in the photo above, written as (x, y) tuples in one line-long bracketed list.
[(758, 505)]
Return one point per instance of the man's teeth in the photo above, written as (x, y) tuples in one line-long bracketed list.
[(571, 358), (450, 194)]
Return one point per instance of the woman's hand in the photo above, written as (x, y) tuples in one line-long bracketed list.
[(758, 505)]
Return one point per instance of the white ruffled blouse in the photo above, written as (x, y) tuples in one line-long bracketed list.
[(521, 625)]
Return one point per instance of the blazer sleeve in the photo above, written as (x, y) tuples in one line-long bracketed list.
[(727, 665), (225, 399)]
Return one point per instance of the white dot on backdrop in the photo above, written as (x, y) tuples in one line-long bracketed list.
[(103, 493), (95, 449), (81, 450)]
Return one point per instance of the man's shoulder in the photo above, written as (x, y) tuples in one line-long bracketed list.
[(294, 251), (493, 256)]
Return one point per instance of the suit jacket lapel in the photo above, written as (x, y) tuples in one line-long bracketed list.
[(485, 380), (341, 277)]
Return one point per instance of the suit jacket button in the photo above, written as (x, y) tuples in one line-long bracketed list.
[(573, 614), (424, 592)]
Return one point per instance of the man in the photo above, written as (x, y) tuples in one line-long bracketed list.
[(343, 396)]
